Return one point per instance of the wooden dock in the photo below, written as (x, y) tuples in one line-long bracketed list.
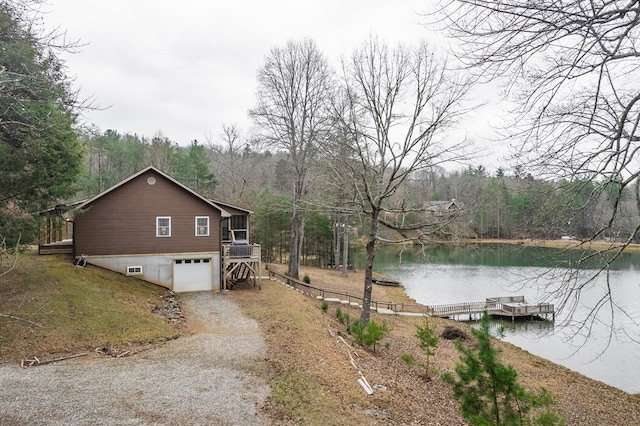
[(511, 307)]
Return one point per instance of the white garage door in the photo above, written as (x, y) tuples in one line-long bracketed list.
[(191, 275)]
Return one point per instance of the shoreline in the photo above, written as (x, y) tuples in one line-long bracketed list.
[(580, 399), (561, 244)]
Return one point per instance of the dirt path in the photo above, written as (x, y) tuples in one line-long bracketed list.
[(202, 379)]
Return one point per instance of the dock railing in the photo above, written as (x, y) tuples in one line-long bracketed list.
[(506, 299), (512, 306), (460, 308), (541, 308)]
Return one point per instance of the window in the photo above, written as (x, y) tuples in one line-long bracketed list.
[(235, 229), (191, 261), (238, 222), (134, 270), (202, 226), (163, 226)]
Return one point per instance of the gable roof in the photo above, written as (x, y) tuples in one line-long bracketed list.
[(443, 206), (223, 212)]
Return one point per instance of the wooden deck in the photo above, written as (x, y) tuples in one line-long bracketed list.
[(512, 307), (241, 263), (59, 247)]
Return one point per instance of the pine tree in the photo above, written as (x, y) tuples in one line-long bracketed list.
[(489, 392), (428, 343)]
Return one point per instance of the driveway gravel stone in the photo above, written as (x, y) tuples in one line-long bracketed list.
[(202, 379)]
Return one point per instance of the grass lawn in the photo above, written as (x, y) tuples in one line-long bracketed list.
[(77, 309)]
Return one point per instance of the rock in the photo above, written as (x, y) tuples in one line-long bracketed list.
[(170, 309)]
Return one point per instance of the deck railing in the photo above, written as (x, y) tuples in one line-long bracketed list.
[(250, 251)]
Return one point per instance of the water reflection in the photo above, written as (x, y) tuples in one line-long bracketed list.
[(607, 349), (539, 327), (501, 255)]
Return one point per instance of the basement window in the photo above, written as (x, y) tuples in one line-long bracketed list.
[(134, 270)]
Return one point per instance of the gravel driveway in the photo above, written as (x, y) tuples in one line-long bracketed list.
[(202, 379)]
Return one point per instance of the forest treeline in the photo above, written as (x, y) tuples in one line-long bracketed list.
[(332, 186), (466, 203)]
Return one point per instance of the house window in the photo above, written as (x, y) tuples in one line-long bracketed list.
[(202, 226), (163, 226), (134, 270)]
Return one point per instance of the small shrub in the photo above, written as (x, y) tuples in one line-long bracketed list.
[(306, 279), (408, 359), (370, 334), (428, 343), (356, 329), (344, 318), (324, 306)]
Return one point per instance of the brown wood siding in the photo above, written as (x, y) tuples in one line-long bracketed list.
[(123, 221), (233, 211)]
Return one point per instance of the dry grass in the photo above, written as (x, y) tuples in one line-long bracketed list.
[(77, 309), (307, 365), (314, 382)]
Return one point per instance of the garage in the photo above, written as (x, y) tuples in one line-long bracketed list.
[(192, 275)]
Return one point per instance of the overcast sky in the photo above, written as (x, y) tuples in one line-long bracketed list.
[(186, 68)]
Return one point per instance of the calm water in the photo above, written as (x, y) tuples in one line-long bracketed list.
[(605, 351)]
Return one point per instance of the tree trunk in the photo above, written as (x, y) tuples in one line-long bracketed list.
[(368, 270), (336, 241), (297, 240), (345, 246), (294, 248)]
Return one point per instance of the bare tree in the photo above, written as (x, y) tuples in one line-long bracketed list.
[(294, 85), (232, 165), (8, 257), (161, 152), (395, 107), (571, 68)]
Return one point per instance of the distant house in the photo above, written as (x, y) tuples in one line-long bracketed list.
[(443, 208), (155, 228)]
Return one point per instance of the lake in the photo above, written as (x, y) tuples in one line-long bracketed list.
[(605, 350)]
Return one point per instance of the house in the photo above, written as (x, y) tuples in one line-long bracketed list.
[(443, 208), (155, 228)]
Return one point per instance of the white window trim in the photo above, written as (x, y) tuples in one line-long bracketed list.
[(208, 222), (134, 270), (158, 226)]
